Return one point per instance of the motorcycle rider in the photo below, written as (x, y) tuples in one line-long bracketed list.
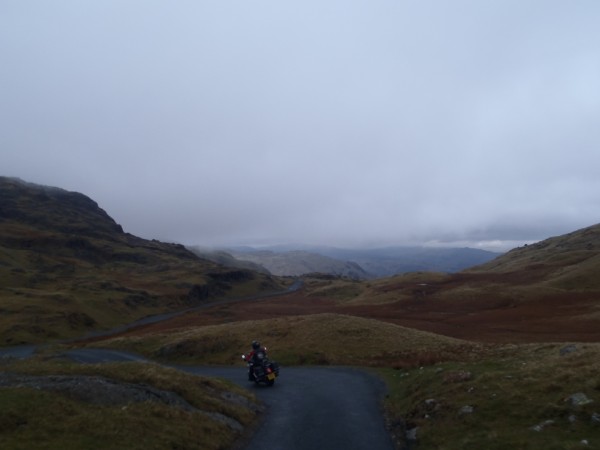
[(256, 355)]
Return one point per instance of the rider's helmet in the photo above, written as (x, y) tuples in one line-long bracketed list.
[(255, 345)]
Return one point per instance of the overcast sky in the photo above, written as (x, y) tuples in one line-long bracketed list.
[(335, 122)]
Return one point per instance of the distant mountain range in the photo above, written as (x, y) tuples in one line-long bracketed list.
[(361, 263), (299, 262)]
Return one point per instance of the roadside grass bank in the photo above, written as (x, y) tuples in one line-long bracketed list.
[(62, 405), (526, 397)]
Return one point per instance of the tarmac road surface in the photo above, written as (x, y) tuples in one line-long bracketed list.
[(308, 408)]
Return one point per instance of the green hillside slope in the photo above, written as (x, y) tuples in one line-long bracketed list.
[(66, 268), (570, 261)]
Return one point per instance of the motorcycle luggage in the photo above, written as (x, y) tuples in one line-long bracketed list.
[(275, 367), (259, 372)]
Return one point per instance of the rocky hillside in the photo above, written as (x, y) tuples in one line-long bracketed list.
[(54, 209), (296, 263), (226, 259), (362, 263), (54, 222), (66, 267)]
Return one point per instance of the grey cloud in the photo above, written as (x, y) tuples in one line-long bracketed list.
[(322, 122)]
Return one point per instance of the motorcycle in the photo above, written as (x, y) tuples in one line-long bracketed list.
[(262, 369)]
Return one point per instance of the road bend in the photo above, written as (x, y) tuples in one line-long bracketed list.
[(308, 408)]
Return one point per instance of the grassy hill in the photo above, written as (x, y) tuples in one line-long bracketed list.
[(570, 261), (330, 339), (66, 267)]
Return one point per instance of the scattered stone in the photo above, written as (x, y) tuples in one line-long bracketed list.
[(595, 418), (411, 435), (579, 399), (458, 377), (568, 349), (540, 426), (466, 410), (585, 442), (572, 418), (432, 406), (242, 401)]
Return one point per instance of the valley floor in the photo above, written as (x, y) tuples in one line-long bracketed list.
[(556, 319)]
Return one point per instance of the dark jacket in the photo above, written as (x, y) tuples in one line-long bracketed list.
[(254, 355)]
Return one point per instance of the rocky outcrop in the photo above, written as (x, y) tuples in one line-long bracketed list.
[(96, 389), (53, 209), (105, 391)]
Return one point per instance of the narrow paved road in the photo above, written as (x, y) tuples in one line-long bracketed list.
[(166, 316), (308, 408)]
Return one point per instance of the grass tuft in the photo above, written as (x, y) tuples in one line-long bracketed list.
[(511, 391)]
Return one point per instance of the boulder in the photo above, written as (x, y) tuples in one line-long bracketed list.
[(578, 399)]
